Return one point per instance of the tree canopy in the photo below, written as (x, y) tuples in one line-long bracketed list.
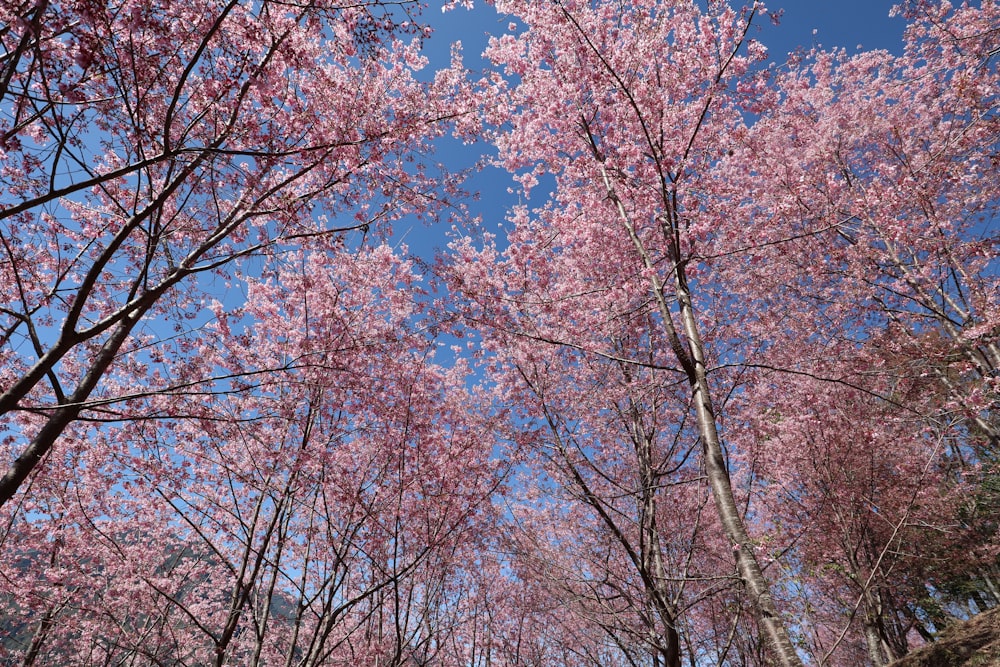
[(724, 390)]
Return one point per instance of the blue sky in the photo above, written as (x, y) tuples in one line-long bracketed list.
[(845, 23)]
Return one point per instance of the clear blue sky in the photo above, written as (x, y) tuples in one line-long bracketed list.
[(845, 23)]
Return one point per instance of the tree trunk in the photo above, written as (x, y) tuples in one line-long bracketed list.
[(692, 359), (722, 490)]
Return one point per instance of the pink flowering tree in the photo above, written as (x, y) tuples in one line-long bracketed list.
[(882, 201), (880, 206), (740, 367), (711, 225), (307, 516), (630, 108), (856, 486), (145, 146), (188, 478), (608, 543)]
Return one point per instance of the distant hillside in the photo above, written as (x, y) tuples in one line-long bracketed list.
[(974, 643)]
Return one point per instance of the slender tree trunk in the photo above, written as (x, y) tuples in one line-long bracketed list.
[(668, 643), (722, 490), (874, 643), (991, 586), (41, 634), (692, 359)]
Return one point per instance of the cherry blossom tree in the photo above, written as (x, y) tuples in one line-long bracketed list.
[(226, 487), (295, 518), (740, 222), (860, 488), (885, 199), (881, 211), (627, 560), (629, 108), (739, 370), (144, 147)]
